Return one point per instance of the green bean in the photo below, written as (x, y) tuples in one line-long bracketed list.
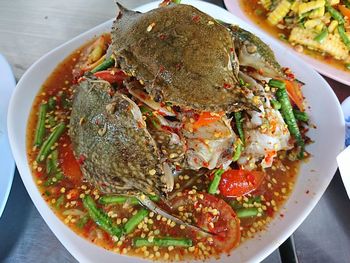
[(107, 63), (40, 128), (301, 116), (54, 179), (238, 150), (52, 163), (287, 113), (51, 103), (335, 14), (344, 37), (321, 36), (162, 242), (275, 104), (247, 212), (59, 201), (115, 199), (50, 141), (100, 217), (213, 187), (135, 220), (238, 119)]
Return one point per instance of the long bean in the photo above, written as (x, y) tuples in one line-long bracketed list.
[(120, 199), (301, 116), (107, 63), (162, 242), (52, 103), (344, 37), (238, 147), (238, 119), (100, 218), (52, 163), (335, 14), (213, 187), (40, 128), (287, 113), (321, 36), (135, 220), (50, 141), (247, 212)]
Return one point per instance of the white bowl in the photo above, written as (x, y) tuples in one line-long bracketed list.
[(323, 67), (315, 175)]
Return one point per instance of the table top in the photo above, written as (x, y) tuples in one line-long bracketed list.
[(29, 29)]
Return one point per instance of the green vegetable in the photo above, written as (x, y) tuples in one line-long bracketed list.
[(344, 37), (100, 217), (162, 242), (50, 141), (287, 113), (335, 14), (135, 220), (54, 179), (247, 212), (107, 63), (238, 146), (40, 128), (213, 187), (321, 36), (275, 104), (347, 66), (239, 120), (52, 163), (82, 221), (59, 201), (51, 103), (347, 3), (113, 199), (301, 116)]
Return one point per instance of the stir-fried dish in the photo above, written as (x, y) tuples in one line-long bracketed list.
[(320, 28), (172, 137)]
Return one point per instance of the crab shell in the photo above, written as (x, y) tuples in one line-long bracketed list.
[(109, 135), (181, 55)]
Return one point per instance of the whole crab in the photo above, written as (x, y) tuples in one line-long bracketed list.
[(184, 67)]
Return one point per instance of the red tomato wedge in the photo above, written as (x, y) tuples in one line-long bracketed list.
[(236, 183), (112, 76), (214, 215), (70, 166), (294, 92)]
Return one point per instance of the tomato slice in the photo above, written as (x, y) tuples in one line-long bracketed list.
[(236, 183), (214, 215), (294, 92), (70, 166)]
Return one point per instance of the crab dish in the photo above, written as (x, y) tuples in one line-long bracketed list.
[(175, 136)]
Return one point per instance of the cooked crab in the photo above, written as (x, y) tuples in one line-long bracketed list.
[(184, 76)]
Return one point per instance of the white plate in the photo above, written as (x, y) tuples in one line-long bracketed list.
[(7, 164), (332, 72), (315, 175)]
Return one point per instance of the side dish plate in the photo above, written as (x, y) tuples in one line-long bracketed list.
[(313, 180), (322, 67)]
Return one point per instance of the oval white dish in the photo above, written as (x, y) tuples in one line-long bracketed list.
[(314, 178)]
